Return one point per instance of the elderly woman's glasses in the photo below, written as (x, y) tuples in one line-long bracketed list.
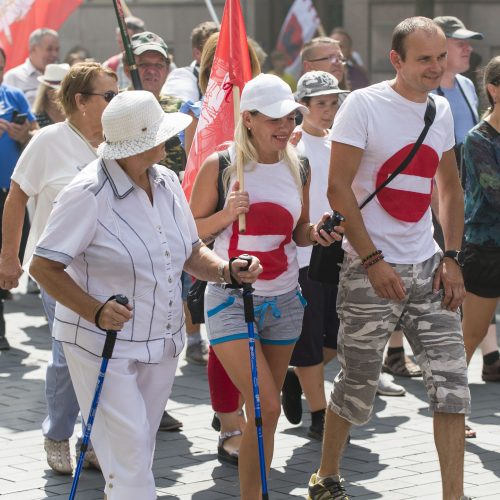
[(331, 59), (107, 96)]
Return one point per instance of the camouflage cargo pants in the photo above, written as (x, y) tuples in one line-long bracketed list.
[(366, 323)]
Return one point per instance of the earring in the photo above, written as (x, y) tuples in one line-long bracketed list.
[(84, 113), (249, 129)]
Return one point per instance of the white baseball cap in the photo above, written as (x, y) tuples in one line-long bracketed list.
[(269, 95), (134, 122)]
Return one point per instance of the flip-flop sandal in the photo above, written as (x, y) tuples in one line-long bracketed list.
[(469, 433)]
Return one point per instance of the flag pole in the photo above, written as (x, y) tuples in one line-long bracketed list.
[(212, 12), (129, 55), (321, 29), (242, 223)]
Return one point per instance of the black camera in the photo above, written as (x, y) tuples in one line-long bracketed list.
[(334, 220)]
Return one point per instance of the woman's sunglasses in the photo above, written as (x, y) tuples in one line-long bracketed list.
[(107, 96)]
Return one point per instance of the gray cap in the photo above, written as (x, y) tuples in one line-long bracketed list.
[(315, 83), (454, 28)]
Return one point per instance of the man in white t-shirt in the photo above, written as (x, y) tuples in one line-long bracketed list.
[(393, 269)]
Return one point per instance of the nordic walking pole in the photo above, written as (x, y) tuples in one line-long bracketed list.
[(107, 352), (249, 320)]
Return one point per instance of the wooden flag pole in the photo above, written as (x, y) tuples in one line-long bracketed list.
[(321, 30), (242, 223)]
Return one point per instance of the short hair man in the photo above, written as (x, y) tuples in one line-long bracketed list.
[(393, 269), (134, 26), (43, 50), (323, 54), (183, 82), (458, 89)]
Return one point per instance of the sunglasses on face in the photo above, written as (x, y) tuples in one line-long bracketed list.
[(107, 96), (331, 59)]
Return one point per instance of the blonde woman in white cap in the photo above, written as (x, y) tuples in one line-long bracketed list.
[(123, 226), (46, 107), (276, 205)]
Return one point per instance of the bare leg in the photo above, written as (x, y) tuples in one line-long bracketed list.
[(490, 343), (334, 439), (476, 321), (449, 436), (396, 339), (313, 385)]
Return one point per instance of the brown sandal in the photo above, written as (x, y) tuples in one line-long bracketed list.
[(402, 365), (469, 433)]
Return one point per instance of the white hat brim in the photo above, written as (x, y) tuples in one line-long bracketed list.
[(170, 125), (282, 108), (47, 84), (324, 92)]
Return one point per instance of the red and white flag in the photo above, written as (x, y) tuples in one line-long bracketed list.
[(231, 68), (299, 26), (18, 18)]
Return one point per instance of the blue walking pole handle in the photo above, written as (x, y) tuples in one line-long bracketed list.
[(249, 320), (107, 353)]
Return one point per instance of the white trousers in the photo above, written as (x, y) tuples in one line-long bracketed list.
[(133, 398)]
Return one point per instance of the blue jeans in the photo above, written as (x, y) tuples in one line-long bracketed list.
[(62, 404)]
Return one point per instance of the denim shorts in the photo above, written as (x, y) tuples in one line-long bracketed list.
[(278, 319)]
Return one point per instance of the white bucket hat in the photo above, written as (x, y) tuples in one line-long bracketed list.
[(269, 95), (53, 75), (134, 122)]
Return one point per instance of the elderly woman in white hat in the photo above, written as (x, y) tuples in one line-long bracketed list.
[(123, 226), (276, 204), (46, 107)]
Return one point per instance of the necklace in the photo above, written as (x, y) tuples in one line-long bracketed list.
[(82, 137)]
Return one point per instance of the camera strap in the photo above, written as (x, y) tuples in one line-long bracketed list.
[(430, 114)]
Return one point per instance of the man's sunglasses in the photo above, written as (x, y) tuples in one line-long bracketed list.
[(107, 96)]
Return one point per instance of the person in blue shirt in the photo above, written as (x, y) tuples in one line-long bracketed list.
[(13, 137)]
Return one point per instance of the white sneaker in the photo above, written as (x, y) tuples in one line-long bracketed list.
[(387, 387), (90, 461), (58, 456)]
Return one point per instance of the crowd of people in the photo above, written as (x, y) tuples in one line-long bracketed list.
[(396, 158)]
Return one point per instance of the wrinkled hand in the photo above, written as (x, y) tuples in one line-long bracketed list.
[(386, 282), (113, 315), (322, 237), (449, 277), (295, 137), (10, 272), (237, 202), (250, 275), (19, 133)]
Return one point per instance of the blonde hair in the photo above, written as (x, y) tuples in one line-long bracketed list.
[(247, 157)]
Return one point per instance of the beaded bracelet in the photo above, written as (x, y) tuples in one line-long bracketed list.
[(368, 257), (376, 259)]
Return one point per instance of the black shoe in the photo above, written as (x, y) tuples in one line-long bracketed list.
[(291, 397), (4, 344), (216, 423), (169, 423), (222, 454)]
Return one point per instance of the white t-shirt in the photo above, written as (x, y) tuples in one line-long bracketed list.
[(113, 240), (275, 208), (386, 125), (182, 83), (50, 161), (317, 151)]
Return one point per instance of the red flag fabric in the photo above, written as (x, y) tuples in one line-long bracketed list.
[(18, 18), (299, 27), (231, 67)]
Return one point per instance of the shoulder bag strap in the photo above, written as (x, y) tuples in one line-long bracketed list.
[(224, 162), (430, 114)]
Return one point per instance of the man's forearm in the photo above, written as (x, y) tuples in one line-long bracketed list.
[(451, 216)]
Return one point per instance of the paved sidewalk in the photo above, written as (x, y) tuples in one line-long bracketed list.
[(393, 457)]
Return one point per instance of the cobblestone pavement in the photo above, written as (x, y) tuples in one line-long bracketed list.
[(393, 457)]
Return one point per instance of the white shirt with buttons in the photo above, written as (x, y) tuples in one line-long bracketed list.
[(114, 241)]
